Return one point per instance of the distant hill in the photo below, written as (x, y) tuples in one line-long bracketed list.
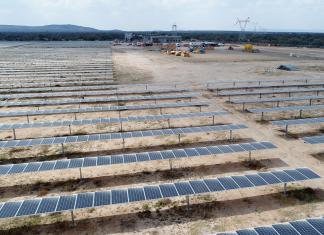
[(67, 28)]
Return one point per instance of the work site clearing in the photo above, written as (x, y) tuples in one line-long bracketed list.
[(147, 68)]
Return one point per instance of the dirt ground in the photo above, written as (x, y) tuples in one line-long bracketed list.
[(208, 213)]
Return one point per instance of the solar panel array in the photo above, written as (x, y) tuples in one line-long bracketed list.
[(281, 91), (90, 93), (97, 100), (10, 169), (298, 121), (108, 120), (277, 99), (314, 139), (152, 192), (289, 108), (313, 226), (114, 136), (101, 109)]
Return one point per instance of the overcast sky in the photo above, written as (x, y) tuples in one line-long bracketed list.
[(292, 15)]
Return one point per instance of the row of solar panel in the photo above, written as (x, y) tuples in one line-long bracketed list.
[(113, 136), (152, 192), (282, 91), (313, 226), (298, 121), (101, 109), (16, 82), (288, 108), (91, 93), (131, 158), (81, 122), (277, 99), (102, 71), (97, 100), (41, 87), (314, 139), (219, 88)]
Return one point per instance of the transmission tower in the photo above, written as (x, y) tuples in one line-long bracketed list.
[(243, 24), (175, 29)]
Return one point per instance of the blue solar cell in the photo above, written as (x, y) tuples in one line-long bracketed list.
[(269, 178), (242, 181), (236, 148), (152, 192), (214, 185), (282, 176), (308, 173), (304, 227), (28, 207), (168, 190), (191, 152), (46, 166), (248, 147), (141, 157), (228, 183), (256, 180), (33, 167), (105, 160), (199, 186), (76, 163), (225, 149), (179, 153), (84, 200), (117, 159), (246, 232), (61, 164), (285, 229), (184, 188), (266, 231), (136, 194), (89, 161), (258, 146), (9, 209), (318, 224), (18, 168), (203, 151), (4, 169), (167, 154), (66, 203), (119, 196), (214, 150), (155, 155), (295, 175), (102, 198), (47, 205)]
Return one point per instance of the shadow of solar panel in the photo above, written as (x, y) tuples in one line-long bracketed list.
[(47, 205), (168, 190), (152, 192), (282, 176), (46, 166), (119, 196), (102, 198), (179, 153), (269, 178), (242, 181), (9, 209), (129, 158), (308, 173), (33, 167), (155, 155), (266, 231), (89, 161), (105, 160), (66, 203), (61, 164), (18, 168), (284, 229), (4, 169), (246, 232), (199, 186), (136, 194), (295, 175), (28, 207), (191, 152), (184, 188), (141, 157), (214, 185), (203, 151), (317, 224), (76, 163), (256, 180), (84, 200), (117, 159), (304, 227), (228, 183), (167, 154)]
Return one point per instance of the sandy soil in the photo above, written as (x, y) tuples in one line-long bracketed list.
[(208, 213)]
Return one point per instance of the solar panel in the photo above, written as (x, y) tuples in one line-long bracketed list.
[(66, 203), (168, 190), (127, 159), (84, 200), (228, 183), (303, 227), (276, 99), (266, 231), (246, 232), (214, 185), (119, 196), (317, 223), (28, 207), (47, 205), (152, 192), (9, 209), (136, 194), (288, 108), (102, 198), (100, 109), (184, 188), (199, 186)]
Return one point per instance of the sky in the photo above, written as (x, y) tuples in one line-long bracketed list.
[(265, 15)]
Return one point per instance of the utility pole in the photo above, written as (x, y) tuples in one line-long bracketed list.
[(243, 24)]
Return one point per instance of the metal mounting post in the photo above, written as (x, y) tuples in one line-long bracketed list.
[(80, 173), (278, 103), (286, 130), (300, 113), (179, 137), (285, 189), (310, 102), (213, 119), (62, 148), (121, 126), (188, 202), (37, 108), (262, 116), (243, 108), (161, 111), (250, 156), (260, 95), (170, 164), (155, 101), (72, 218), (70, 130), (289, 94), (119, 113), (199, 108), (123, 143), (14, 133), (169, 125), (231, 135), (146, 86), (75, 116), (27, 118)]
